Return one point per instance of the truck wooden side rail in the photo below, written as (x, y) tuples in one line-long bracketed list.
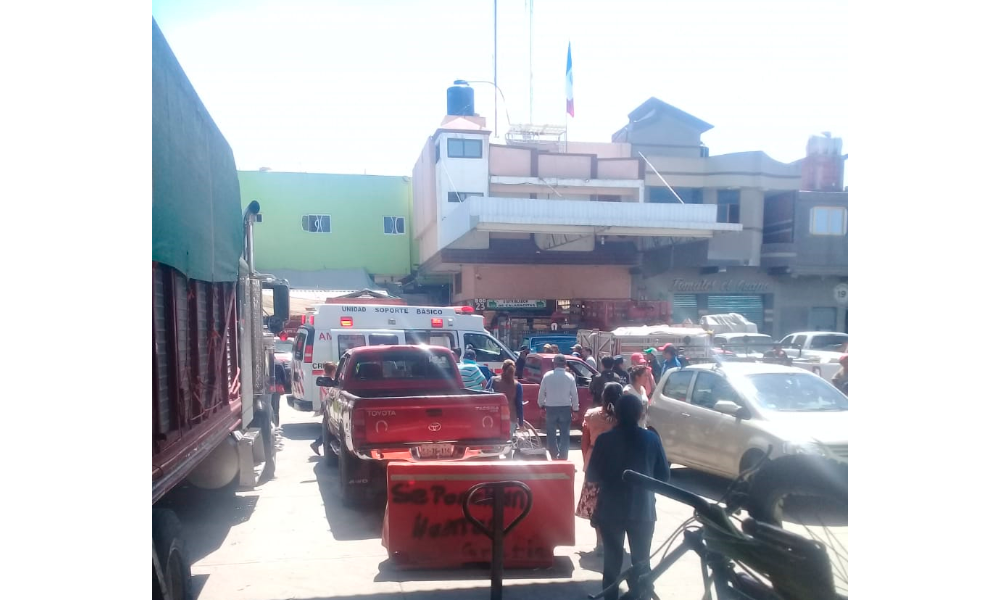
[(212, 359)]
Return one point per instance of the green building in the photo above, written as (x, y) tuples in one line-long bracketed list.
[(323, 231)]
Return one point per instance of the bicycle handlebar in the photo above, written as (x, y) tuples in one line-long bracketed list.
[(665, 489), (702, 507)]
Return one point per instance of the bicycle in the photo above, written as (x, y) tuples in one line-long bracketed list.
[(775, 564)]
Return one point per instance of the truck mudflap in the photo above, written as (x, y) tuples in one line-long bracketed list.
[(425, 528)]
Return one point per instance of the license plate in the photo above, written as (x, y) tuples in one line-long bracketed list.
[(435, 450)]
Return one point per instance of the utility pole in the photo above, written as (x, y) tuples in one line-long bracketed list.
[(496, 124)]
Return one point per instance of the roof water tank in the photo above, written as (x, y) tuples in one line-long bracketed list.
[(461, 99), (823, 167)]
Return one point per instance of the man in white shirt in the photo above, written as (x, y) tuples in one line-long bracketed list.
[(588, 355), (558, 397)]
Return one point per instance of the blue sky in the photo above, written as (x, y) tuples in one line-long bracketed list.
[(356, 86)]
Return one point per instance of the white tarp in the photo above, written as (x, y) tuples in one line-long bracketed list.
[(653, 330), (728, 323)]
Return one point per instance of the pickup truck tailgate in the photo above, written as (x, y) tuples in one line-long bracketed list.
[(425, 419)]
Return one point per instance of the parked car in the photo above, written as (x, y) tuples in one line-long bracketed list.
[(392, 403), (817, 351), (535, 367), (721, 419)]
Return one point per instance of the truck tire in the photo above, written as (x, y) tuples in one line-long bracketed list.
[(263, 420), (169, 547), (276, 409), (328, 454), (349, 495)]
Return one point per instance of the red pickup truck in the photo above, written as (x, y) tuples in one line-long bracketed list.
[(391, 403), (535, 367)]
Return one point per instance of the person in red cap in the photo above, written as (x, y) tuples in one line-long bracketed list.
[(840, 379), (670, 360)]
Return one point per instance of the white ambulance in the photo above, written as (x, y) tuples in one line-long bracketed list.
[(330, 330)]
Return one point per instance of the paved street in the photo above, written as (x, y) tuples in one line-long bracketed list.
[(290, 538)]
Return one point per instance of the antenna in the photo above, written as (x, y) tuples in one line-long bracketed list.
[(531, 62), (496, 124)]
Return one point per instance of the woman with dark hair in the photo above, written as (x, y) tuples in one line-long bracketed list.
[(623, 509), (506, 384), (595, 422)]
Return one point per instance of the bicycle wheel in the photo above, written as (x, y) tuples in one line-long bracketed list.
[(528, 444), (807, 495)]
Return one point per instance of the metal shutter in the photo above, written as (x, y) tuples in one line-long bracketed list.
[(685, 306)]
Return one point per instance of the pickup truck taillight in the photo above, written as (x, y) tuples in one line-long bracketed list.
[(358, 427), (308, 355), (505, 417)]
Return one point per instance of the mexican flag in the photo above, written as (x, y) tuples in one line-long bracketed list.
[(569, 80)]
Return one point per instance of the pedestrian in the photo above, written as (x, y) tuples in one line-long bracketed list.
[(654, 365), (670, 360), (522, 357), (472, 376), (620, 371), (588, 356), (778, 353), (329, 370), (596, 421), (578, 351), (558, 396), (509, 386), (623, 509), (840, 378), (637, 375), (645, 381), (602, 379)]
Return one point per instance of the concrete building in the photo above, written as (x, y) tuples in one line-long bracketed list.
[(533, 233), (786, 268), (331, 232)]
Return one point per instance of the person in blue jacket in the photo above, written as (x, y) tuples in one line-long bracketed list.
[(623, 509)]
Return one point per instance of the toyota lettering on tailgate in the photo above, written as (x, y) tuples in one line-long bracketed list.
[(381, 413), (488, 408)]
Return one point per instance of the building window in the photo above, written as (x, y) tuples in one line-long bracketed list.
[(316, 223), (462, 148), (394, 225), (729, 206), (461, 196), (437, 152), (458, 283), (662, 195), (823, 319), (828, 220), (779, 219)]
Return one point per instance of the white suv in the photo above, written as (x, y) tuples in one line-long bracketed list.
[(722, 418)]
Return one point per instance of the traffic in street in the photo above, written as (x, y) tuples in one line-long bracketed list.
[(293, 538), (516, 365)]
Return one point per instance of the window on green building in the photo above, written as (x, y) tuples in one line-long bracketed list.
[(394, 225), (316, 223)]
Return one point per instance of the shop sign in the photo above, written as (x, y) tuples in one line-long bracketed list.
[(484, 304), (726, 286)]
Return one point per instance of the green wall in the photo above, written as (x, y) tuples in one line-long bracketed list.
[(356, 205)]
